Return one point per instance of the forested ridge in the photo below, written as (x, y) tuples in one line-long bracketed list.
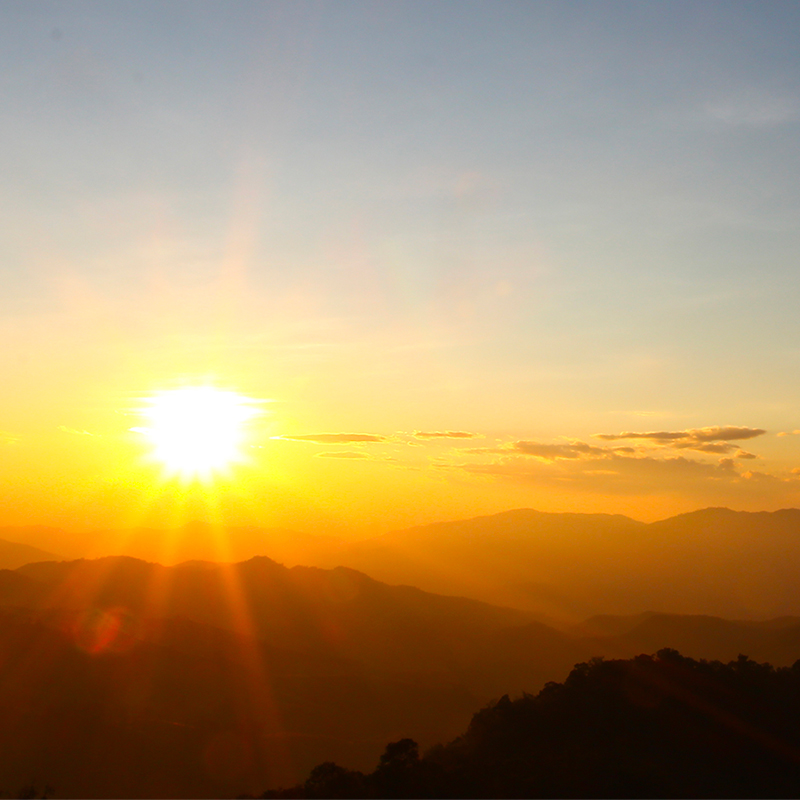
[(651, 726)]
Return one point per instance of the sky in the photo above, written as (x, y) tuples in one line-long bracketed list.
[(462, 256)]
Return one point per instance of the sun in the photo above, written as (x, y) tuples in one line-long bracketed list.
[(197, 431)]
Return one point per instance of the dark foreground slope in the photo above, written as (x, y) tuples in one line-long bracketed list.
[(121, 678), (662, 726)]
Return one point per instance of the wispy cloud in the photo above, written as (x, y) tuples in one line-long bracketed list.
[(342, 454), (705, 447), (551, 452), (613, 473), (446, 435), (6, 437), (335, 438), (65, 429), (712, 439), (647, 467), (570, 450)]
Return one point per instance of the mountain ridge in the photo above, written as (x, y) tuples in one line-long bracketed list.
[(562, 567)]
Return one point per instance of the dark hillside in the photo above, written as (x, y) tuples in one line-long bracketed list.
[(120, 677), (651, 726)]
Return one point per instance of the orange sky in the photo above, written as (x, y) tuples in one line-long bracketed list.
[(574, 245)]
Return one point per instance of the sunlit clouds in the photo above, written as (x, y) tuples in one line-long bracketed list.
[(336, 438), (446, 435), (714, 439), (694, 435)]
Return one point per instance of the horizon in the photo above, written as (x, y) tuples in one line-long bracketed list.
[(715, 561), (358, 534)]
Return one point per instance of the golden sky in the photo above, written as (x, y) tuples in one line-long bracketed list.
[(461, 259)]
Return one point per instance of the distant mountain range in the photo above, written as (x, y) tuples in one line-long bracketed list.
[(562, 568), (566, 567), (13, 554), (120, 677)]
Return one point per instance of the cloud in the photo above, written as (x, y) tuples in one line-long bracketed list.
[(647, 470), (744, 454), (551, 452), (343, 454), (726, 433), (335, 438), (572, 449), (446, 435), (65, 429), (788, 433), (711, 439), (6, 437), (705, 447), (654, 435), (761, 477)]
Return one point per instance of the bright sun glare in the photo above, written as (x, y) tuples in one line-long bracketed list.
[(197, 431)]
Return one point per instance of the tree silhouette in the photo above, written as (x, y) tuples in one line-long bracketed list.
[(651, 726)]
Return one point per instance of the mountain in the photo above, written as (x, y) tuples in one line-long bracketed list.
[(609, 624), (14, 554), (123, 677), (567, 567), (776, 641), (651, 726), (178, 709), (338, 612), (561, 568), (194, 541)]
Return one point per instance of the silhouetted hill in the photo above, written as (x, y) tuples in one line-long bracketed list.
[(664, 726), (97, 705), (776, 641), (562, 568), (119, 676), (609, 624), (339, 612), (194, 541), (13, 554), (567, 567)]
